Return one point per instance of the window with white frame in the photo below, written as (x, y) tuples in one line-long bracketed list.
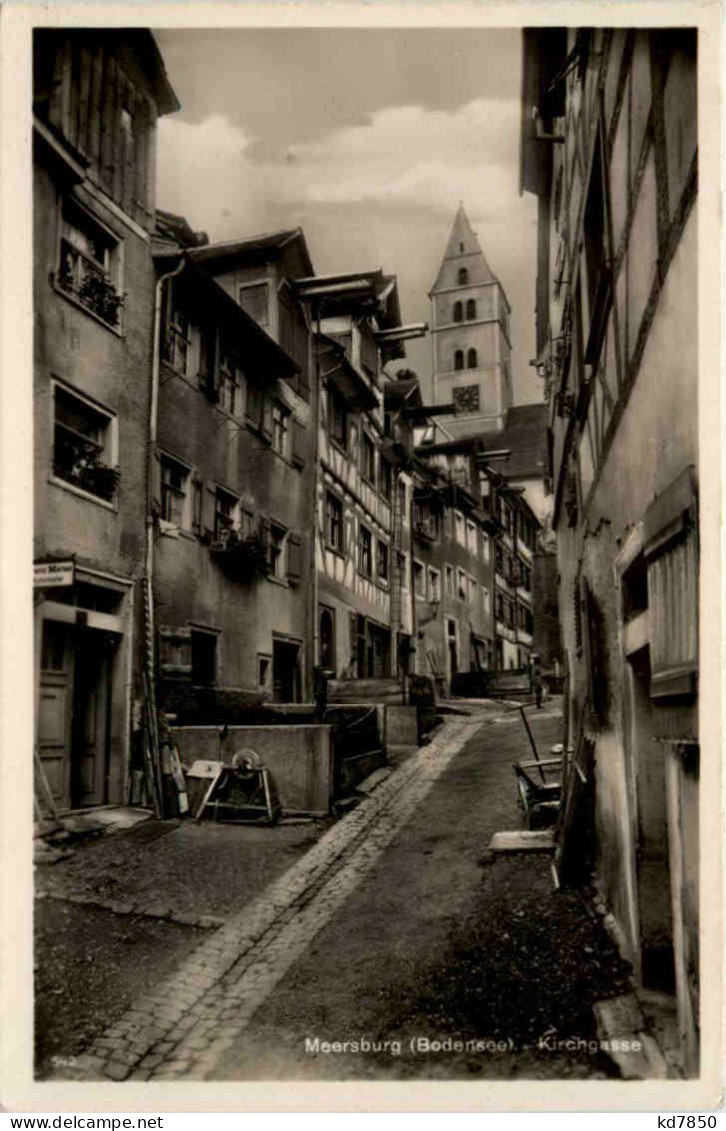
[(254, 301), (471, 539), (175, 498), (84, 444), (434, 585), (90, 263), (280, 416), (459, 528), (225, 513)]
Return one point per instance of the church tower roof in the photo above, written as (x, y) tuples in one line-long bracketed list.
[(463, 251)]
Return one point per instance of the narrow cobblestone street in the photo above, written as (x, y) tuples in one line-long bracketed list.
[(398, 926)]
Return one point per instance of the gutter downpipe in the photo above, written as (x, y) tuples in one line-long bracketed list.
[(315, 318), (149, 659)]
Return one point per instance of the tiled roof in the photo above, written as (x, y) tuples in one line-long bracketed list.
[(525, 434)]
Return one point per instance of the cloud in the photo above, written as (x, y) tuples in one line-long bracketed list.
[(379, 193), (402, 156)]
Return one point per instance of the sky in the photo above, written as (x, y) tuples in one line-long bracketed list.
[(367, 139)]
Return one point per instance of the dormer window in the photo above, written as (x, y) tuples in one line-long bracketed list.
[(253, 300)]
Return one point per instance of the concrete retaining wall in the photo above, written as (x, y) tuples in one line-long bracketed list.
[(300, 758)]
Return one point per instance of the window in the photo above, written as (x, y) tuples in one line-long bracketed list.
[(225, 513), (434, 586), (176, 349), (89, 263), (449, 580), (382, 561), (368, 351), (295, 339), (255, 408), (470, 309), (337, 419), (277, 551), (485, 604), (458, 359), (402, 562), (471, 539), (204, 657), (83, 444), (499, 606), (463, 277), (365, 551), (229, 382), (126, 122), (485, 546), (461, 584), (471, 359), (458, 312), (279, 429), (386, 483), (253, 300), (334, 522), (402, 501), (459, 533), (174, 482), (419, 580), (367, 458)]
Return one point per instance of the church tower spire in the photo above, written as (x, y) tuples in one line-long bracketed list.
[(470, 335)]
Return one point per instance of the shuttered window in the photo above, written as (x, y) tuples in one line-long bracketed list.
[(671, 555)]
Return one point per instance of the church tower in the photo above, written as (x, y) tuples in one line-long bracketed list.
[(470, 336)]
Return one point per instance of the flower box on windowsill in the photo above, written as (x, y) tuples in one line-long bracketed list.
[(96, 479), (96, 294), (245, 558)]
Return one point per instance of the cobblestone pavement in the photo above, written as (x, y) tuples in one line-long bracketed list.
[(184, 1028)]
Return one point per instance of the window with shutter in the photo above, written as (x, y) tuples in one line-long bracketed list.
[(671, 556), (294, 558)]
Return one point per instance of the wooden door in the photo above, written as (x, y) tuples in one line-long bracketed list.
[(89, 732), (652, 856), (55, 709)]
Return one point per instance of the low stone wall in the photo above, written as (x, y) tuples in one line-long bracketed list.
[(299, 757)]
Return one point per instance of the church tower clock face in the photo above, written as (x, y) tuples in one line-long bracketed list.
[(470, 336)]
